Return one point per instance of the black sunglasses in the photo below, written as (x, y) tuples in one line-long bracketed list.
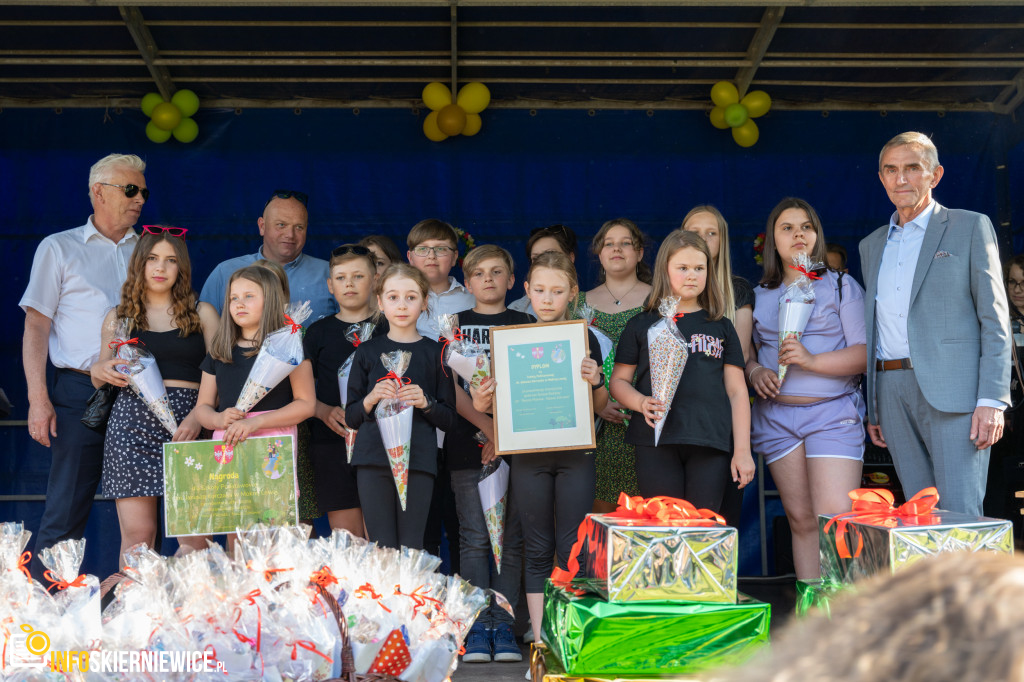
[(301, 197), (130, 190), (350, 248), (551, 229)]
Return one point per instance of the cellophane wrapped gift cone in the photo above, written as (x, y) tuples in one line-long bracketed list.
[(595, 638), (394, 420), (143, 374), (493, 487), (78, 596), (278, 357), (797, 303), (355, 334), (668, 354), (464, 356)]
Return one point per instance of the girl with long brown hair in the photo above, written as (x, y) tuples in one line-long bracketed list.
[(159, 307)]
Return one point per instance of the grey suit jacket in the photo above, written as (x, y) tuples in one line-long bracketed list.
[(958, 326)]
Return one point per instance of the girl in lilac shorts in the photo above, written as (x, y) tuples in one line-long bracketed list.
[(809, 429)]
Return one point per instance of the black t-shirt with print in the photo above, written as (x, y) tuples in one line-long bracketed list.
[(327, 348), (231, 378), (461, 449), (700, 413)]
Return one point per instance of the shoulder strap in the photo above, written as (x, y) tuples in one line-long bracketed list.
[(839, 283)]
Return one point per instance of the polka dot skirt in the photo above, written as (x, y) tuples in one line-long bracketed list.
[(133, 455)]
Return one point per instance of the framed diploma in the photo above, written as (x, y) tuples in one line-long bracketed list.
[(541, 403), (210, 487)]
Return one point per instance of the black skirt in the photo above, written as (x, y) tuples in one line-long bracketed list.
[(133, 453)]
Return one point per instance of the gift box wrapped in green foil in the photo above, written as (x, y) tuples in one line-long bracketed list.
[(861, 545), (629, 560), (593, 637), (815, 594)]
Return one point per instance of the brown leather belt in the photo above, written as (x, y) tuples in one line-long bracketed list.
[(889, 365)]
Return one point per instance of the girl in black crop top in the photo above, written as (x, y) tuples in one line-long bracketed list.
[(160, 307)]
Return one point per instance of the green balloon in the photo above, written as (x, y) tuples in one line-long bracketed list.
[(736, 115), (186, 131), (150, 101), (186, 101), (156, 133)]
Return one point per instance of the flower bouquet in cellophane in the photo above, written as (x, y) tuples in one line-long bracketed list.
[(279, 355), (668, 354), (394, 419), (796, 303), (465, 357)]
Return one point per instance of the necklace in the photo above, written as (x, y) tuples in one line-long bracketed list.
[(618, 301)]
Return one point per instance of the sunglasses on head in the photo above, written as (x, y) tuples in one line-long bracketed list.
[(160, 229), (350, 248), (551, 229), (301, 197), (130, 190)]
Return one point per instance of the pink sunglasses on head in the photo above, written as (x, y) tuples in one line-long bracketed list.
[(160, 229)]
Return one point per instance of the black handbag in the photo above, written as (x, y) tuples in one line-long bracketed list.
[(97, 408)]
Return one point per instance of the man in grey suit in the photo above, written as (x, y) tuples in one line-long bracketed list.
[(937, 332)]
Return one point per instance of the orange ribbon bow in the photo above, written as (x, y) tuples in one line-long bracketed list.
[(116, 344), (308, 646), (22, 566), (392, 375), (668, 510), (323, 578), (62, 584), (366, 590), (875, 506)]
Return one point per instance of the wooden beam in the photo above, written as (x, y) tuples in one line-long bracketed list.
[(520, 3), (454, 19), (1011, 97), (770, 21), (147, 48)]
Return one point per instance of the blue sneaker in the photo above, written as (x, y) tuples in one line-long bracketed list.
[(504, 641), (478, 645)]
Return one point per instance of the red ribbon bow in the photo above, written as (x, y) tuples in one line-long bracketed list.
[(366, 590), (355, 340), (117, 343), (803, 271), (308, 646), (875, 506), (677, 316), (62, 584), (251, 600), (323, 578), (420, 599), (457, 335), (392, 375), (665, 509), (295, 325)]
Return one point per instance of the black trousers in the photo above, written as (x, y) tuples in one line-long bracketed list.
[(695, 473), (76, 465), (554, 492), (386, 523), (443, 519)]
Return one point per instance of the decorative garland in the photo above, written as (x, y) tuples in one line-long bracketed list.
[(467, 239), (759, 249)]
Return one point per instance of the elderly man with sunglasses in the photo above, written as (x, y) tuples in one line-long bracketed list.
[(76, 278), (283, 228)]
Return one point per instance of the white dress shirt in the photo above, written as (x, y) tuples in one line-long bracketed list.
[(76, 278), (454, 300), (895, 282)]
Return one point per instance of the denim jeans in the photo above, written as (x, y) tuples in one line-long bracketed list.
[(476, 559)]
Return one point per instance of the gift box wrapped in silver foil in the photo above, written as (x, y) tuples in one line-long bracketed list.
[(887, 544), (628, 560)]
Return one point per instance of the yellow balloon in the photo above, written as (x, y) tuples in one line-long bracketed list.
[(473, 124), (724, 93), (431, 130), (166, 116), (451, 120), (746, 135), (156, 134), (718, 118), (757, 103), (437, 96), (473, 97)]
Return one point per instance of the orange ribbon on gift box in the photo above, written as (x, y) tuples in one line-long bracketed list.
[(663, 509), (875, 506)]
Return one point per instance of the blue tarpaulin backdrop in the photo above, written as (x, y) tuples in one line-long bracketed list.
[(374, 171)]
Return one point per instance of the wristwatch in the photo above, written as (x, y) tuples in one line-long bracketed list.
[(430, 403), (600, 374)]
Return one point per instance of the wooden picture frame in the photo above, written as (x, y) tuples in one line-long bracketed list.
[(541, 403)]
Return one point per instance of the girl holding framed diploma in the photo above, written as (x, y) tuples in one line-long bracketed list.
[(554, 490), (709, 416)]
